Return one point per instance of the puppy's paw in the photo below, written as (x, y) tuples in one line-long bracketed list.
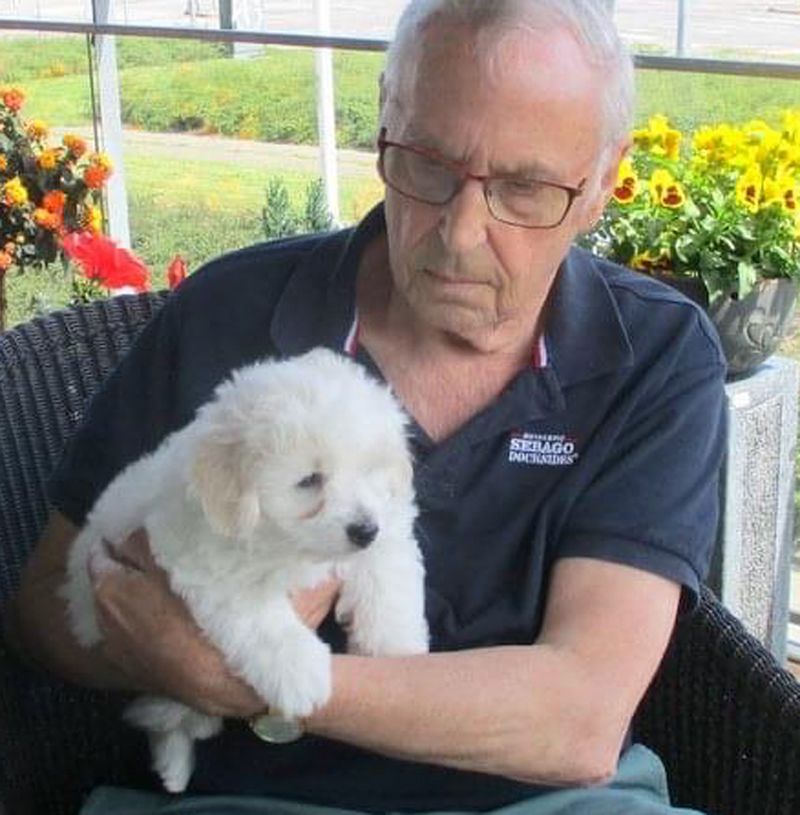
[(302, 676), (200, 727), (83, 622), (156, 714), (404, 638), (173, 759)]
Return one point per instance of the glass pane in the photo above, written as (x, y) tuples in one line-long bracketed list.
[(732, 29), (207, 167)]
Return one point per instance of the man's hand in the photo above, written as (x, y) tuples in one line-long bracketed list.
[(152, 640)]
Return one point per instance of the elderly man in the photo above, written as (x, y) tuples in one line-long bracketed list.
[(568, 423)]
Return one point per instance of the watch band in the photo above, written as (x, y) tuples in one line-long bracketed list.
[(276, 729)]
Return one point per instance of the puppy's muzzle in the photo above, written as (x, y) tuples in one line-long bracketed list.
[(362, 534)]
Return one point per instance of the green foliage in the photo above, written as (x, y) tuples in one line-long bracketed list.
[(279, 105), (278, 216), (724, 208), (196, 231), (280, 219), (27, 58), (316, 216)]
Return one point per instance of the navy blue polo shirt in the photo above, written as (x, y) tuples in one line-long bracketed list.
[(610, 448)]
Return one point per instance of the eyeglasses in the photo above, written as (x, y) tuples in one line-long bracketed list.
[(424, 176)]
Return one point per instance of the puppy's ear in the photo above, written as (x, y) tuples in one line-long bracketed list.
[(220, 475)]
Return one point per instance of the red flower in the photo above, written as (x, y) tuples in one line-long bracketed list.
[(13, 98), (176, 272), (102, 260)]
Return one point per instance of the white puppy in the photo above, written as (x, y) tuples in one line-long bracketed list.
[(295, 470)]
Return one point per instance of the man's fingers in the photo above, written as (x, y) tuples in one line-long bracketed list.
[(131, 553), (135, 550)]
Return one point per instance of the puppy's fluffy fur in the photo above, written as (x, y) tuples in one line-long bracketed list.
[(294, 470)]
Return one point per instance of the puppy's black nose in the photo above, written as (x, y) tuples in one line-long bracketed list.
[(362, 534)]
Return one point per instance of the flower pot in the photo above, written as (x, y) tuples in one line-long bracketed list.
[(751, 328), (692, 287)]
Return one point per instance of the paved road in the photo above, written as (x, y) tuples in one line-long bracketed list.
[(763, 26), (241, 152)]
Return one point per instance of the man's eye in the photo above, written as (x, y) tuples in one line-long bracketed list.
[(311, 481)]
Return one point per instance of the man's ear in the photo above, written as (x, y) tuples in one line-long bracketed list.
[(220, 476), (613, 157)]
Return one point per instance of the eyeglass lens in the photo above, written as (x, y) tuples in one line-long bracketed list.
[(515, 200)]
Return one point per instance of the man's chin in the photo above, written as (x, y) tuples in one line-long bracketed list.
[(475, 328)]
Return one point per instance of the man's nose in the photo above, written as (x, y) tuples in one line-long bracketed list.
[(464, 220)]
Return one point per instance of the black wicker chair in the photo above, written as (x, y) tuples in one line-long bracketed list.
[(721, 713)]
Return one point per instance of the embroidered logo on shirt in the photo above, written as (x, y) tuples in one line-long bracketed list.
[(547, 449)]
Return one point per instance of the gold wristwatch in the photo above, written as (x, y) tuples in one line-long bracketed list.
[(274, 728)]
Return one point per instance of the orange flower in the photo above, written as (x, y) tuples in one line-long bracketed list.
[(75, 145), (13, 98), (98, 171), (54, 201), (103, 161), (47, 220), (49, 158), (94, 177), (5, 261), (3, 163)]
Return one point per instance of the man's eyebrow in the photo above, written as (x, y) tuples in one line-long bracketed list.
[(418, 136), (526, 169)]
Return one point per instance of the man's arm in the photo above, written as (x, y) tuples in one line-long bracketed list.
[(552, 713), (151, 644)]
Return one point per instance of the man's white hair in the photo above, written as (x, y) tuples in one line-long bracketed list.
[(589, 22)]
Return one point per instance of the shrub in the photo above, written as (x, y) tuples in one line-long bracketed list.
[(280, 219)]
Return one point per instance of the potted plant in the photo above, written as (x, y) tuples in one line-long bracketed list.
[(46, 192), (718, 213)]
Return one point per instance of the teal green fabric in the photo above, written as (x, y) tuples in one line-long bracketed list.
[(639, 788)]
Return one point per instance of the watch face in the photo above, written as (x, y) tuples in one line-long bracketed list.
[(275, 729)]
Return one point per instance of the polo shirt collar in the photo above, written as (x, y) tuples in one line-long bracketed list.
[(311, 312), (585, 334)]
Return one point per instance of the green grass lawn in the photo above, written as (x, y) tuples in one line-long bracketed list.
[(183, 85)]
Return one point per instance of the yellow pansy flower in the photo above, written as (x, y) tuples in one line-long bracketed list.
[(647, 262), (627, 183), (749, 188), (791, 126), (666, 190)]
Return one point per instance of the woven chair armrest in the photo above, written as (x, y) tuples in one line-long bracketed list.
[(725, 719)]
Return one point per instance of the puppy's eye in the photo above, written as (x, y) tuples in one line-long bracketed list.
[(311, 481)]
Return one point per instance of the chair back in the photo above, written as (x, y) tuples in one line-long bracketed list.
[(57, 741)]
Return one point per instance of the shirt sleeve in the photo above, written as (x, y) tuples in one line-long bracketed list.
[(654, 504)]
